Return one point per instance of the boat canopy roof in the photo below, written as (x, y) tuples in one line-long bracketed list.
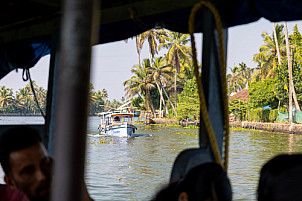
[(122, 114), (27, 26), (116, 113)]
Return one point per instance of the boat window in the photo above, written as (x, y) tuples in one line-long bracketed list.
[(116, 119), (127, 119)]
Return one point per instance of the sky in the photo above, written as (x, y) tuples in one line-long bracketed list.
[(112, 62)]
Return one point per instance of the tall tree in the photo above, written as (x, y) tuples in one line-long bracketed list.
[(6, 97), (152, 36), (176, 43), (232, 79), (140, 84), (160, 71), (267, 58)]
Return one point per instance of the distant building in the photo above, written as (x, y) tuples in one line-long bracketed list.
[(243, 95)]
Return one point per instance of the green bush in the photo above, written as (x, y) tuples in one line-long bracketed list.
[(273, 115), (265, 115), (255, 115), (259, 115)]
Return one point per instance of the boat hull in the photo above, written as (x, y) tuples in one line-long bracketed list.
[(120, 130)]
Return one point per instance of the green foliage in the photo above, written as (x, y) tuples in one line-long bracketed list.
[(282, 80), (262, 93), (138, 103), (23, 101), (239, 77), (188, 105), (155, 97), (263, 115), (238, 108), (259, 115), (273, 115)]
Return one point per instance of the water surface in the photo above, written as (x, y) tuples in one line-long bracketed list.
[(133, 169)]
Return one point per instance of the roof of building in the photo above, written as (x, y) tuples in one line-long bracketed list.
[(243, 95)]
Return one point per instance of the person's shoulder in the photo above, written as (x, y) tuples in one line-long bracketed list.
[(8, 194)]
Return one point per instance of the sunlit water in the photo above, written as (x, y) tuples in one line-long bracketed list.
[(133, 169)]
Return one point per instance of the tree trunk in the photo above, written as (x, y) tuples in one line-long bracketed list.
[(150, 102), (168, 98), (277, 44), (290, 92), (138, 51), (150, 55), (160, 107), (166, 108), (161, 99), (292, 83), (295, 97), (175, 87), (161, 96)]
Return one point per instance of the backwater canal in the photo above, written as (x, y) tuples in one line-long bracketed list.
[(133, 169)]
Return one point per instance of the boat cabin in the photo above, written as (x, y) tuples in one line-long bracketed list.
[(116, 117)]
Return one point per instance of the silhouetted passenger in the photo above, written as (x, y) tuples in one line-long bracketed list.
[(206, 182), (281, 179)]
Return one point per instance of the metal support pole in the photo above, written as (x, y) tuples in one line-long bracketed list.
[(72, 100), (51, 92)]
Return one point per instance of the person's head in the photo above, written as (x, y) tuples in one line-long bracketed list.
[(167, 193), (206, 182), (25, 162), (281, 179)]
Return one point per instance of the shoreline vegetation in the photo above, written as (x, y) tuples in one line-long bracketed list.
[(252, 126)]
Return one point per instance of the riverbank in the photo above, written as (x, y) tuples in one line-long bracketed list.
[(271, 127), (184, 122)]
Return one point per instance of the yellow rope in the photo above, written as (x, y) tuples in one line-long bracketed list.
[(203, 106)]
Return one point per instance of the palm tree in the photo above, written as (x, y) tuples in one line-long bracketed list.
[(177, 50), (267, 58), (104, 94), (25, 94), (151, 36), (160, 71), (140, 84), (19, 102), (41, 97), (232, 79), (244, 75), (6, 97)]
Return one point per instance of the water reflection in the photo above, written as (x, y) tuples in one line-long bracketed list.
[(249, 151)]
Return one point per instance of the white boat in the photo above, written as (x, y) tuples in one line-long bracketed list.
[(117, 123)]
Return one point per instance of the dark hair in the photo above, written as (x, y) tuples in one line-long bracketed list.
[(167, 193), (202, 182), (281, 179), (15, 139), (205, 182)]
